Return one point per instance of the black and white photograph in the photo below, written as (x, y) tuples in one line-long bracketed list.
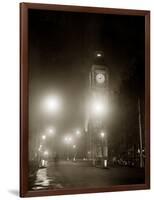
[(86, 98)]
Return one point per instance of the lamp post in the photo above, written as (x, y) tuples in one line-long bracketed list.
[(43, 137), (68, 141), (104, 161), (75, 152), (51, 132), (44, 162)]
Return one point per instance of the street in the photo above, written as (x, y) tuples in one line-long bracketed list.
[(68, 174)]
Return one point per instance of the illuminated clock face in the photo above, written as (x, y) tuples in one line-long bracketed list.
[(100, 78)]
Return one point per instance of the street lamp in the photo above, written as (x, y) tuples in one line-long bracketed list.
[(68, 141), (44, 161), (99, 107), (78, 132), (98, 54), (51, 131), (104, 150), (102, 134), (46, 153), (75, 152), (52, 104), (43, 137)]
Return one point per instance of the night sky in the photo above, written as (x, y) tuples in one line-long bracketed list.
[(61, 53)]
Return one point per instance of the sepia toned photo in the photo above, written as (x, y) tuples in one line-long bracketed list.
[(86, 98)]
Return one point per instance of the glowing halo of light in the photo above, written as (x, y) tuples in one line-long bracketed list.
[(52, 104), (99, 108)]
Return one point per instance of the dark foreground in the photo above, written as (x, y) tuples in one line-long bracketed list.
[(68, 174)]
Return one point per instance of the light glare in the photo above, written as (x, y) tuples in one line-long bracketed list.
[(102, 134), (52, 104), (105, 163), (68, 139), (51, 131), (43, 137), (99, 54), (99, 108), (78, 132), (46, 153)]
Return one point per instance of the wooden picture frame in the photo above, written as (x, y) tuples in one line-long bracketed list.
[(24, 97)]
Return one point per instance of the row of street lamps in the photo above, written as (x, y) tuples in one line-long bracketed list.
[(53, 104), (97, 105), (68, 140)]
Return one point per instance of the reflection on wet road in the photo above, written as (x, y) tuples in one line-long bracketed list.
[(42, 181), (68, 174)]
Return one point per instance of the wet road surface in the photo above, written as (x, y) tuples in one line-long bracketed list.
[(68, 174)]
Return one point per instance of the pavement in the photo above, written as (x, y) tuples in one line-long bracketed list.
[(69, 174)]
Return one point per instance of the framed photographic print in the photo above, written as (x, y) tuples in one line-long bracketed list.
[(85, 99)]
